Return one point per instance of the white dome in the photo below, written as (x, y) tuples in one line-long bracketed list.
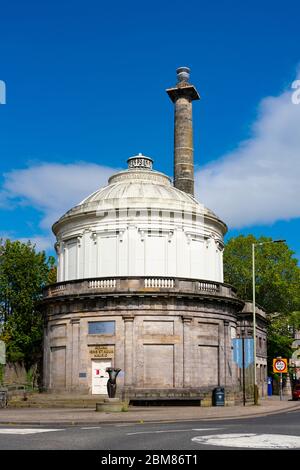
[(139, 184), (138, 187), (140, 225)]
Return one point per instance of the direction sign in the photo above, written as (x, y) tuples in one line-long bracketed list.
[(280, 365)]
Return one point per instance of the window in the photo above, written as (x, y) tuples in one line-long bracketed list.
[(101, 327)]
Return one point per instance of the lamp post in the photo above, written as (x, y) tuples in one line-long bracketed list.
[(243, 365), (254, 314)]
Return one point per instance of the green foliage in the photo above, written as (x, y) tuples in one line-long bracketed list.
[(23, 274), (281, 334), (277, 282), (277, 275), (32, 377), (52, 275), (277, 286)]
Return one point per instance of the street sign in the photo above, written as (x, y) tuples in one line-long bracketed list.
[(237, 351), (237, 345), (280, 365), (249, 353)]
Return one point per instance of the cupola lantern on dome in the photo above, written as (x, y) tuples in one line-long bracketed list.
[(140, 161)]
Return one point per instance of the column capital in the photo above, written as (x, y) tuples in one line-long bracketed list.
[(188, 91)]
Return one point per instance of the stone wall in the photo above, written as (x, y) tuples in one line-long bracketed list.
[(161, 342)]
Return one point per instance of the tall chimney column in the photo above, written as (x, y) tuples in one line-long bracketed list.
[(182, 96)]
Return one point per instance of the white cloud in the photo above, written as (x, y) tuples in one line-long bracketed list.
[(52, 188), (259, 182)]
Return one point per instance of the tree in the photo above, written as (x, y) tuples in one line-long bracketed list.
[(277, 274), (23, 274), (277, 282), (281, 332), (52, 275)]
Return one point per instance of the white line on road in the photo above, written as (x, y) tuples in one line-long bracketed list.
[(125, 425), (26, 430), (172, 430), (92, 427)]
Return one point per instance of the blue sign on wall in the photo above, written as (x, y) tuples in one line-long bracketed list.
[(249, 353), (101, 327), (237, 344), (237, 351)]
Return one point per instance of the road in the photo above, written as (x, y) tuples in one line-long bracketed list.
[(273, 431)]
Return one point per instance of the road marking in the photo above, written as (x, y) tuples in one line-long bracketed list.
[(26, 430), (124, 425), (206, 429), (251, 441), (92, 427), (172, 430)]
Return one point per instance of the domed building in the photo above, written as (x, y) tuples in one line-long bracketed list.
[(140, 283)]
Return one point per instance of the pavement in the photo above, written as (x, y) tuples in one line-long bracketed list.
[(141, 414)]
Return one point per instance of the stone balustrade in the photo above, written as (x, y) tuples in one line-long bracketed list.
[(208, 286), (138, 285), (159, 282), (102, 284)]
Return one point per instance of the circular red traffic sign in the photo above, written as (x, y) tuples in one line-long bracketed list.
[(279, 365)]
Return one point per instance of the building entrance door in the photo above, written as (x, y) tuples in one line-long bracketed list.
[(99, 376)]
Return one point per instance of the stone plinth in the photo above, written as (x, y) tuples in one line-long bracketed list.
[(111, 405)]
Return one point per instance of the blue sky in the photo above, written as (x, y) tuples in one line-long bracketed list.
[(86, 84)]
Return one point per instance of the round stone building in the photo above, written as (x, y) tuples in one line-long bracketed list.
[(140, 283)]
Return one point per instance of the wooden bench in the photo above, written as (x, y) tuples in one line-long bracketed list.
[(166, 401)]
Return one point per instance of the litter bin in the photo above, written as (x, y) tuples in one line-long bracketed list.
[(3, 398), (218, 398)]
